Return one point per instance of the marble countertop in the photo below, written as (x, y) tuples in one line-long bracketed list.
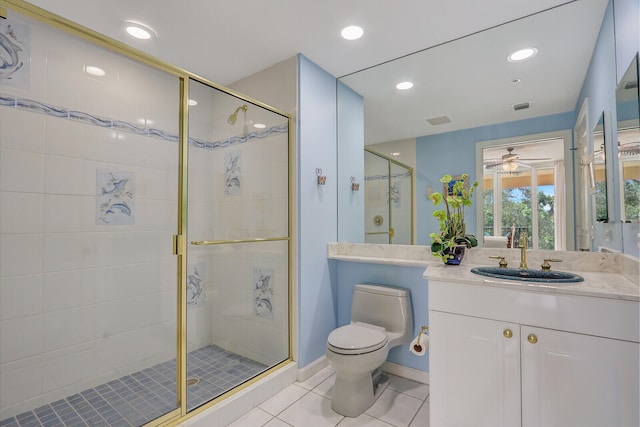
[(606, 275), (595, 284)]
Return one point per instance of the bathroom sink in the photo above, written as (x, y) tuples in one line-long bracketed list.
[(546, 276)]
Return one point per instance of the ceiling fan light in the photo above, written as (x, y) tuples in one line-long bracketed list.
[(510, 166)]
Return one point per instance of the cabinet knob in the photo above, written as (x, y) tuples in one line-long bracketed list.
[(508, 333), (532, 338)]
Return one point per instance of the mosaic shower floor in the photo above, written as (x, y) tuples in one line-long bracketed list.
[(138, 398)]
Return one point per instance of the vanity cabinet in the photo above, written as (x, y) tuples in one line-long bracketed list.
[(502, 357)]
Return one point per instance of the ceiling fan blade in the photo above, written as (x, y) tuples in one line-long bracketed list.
[(541, 158)]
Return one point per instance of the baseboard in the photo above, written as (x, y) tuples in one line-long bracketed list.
[(406, 372), (312, 368)]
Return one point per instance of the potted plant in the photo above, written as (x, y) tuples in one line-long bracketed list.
[(449, 244)]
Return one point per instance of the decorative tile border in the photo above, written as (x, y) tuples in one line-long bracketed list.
[(64, 113), (393, 175)]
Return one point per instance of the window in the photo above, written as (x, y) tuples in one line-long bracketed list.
[(521, 193)]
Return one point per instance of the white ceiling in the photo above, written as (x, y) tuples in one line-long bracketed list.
[(227, 41)]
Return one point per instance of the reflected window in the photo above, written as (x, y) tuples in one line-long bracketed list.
[(521, 194)]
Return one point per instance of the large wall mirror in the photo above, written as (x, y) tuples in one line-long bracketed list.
[(466, 91), (600, 170), (628, 154)]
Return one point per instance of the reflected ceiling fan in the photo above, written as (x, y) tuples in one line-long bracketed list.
[(509, 162)]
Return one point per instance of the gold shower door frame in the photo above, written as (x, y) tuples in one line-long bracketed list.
[(391, 230), (179, 239)]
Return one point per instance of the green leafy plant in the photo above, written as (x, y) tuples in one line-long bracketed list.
[(457, 196)]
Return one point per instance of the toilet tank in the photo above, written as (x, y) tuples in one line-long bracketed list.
[(386, 306)]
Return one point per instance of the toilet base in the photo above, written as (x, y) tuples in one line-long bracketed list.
[(354, 394)]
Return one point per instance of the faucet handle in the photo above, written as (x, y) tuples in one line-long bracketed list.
[(545, 264), (502, 263)]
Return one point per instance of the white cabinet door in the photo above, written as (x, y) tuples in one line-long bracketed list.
[(474, 371), (578, 380)]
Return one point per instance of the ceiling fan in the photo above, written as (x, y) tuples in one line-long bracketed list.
[(510, 161)]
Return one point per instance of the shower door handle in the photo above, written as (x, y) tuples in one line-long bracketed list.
[(225, 242)]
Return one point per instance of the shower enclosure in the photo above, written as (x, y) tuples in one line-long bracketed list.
[(389, 200), (144, 234)]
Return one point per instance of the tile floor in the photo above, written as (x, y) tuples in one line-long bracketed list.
[(138, 398), (404, 403)]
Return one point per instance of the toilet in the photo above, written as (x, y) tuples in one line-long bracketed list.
[(381, 319)]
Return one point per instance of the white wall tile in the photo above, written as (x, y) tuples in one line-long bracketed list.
[(17, 385), (65, 289), (101, 145), (22, 130), (66, 214), (77, 367), (21, 171), (64, 73), (20, 296), (64, 251), (64, 137), (21, 254), (21, 212), (65, 175), (62, 328), (20, 338)]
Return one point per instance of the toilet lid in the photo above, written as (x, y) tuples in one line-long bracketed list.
[(356, 339)]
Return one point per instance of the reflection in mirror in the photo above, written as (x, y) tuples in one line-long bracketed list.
[(450, 97), (521, 194), (600, 170), (388, 200), (628, 112)]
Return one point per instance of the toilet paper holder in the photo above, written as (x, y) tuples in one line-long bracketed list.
[(417, 346)]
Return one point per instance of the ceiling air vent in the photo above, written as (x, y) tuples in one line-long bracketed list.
[(521, 106), (439, 120)]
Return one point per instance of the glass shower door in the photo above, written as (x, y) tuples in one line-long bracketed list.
[(88, 206), (389, 200), (238, 276)]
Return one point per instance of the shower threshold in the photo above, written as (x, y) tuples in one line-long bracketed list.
[(137, 398)]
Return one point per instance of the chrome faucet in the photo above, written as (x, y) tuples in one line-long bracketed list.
[(522, 244)]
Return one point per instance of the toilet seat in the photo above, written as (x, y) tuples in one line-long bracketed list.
[(356, 338)]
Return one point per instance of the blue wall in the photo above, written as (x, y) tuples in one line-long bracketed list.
[(627, 30), (351, 273), (599, 88), (350, 163), (317, 208), (454, 153)]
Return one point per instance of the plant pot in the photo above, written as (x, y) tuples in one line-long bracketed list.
[(457, 252)]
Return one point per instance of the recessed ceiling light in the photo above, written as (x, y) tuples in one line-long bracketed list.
[(352, 32), (193, 103), (395, 154), (404, 85), (522, 54), (259, 125), (95, 71), (139, 30), (515, 81)]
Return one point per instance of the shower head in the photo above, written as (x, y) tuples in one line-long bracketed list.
[(233, 117)]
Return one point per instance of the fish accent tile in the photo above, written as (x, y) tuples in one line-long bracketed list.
[(14, 46), (232, 177), (195, 288), (394, 198), (114, 198), (263, 292)]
